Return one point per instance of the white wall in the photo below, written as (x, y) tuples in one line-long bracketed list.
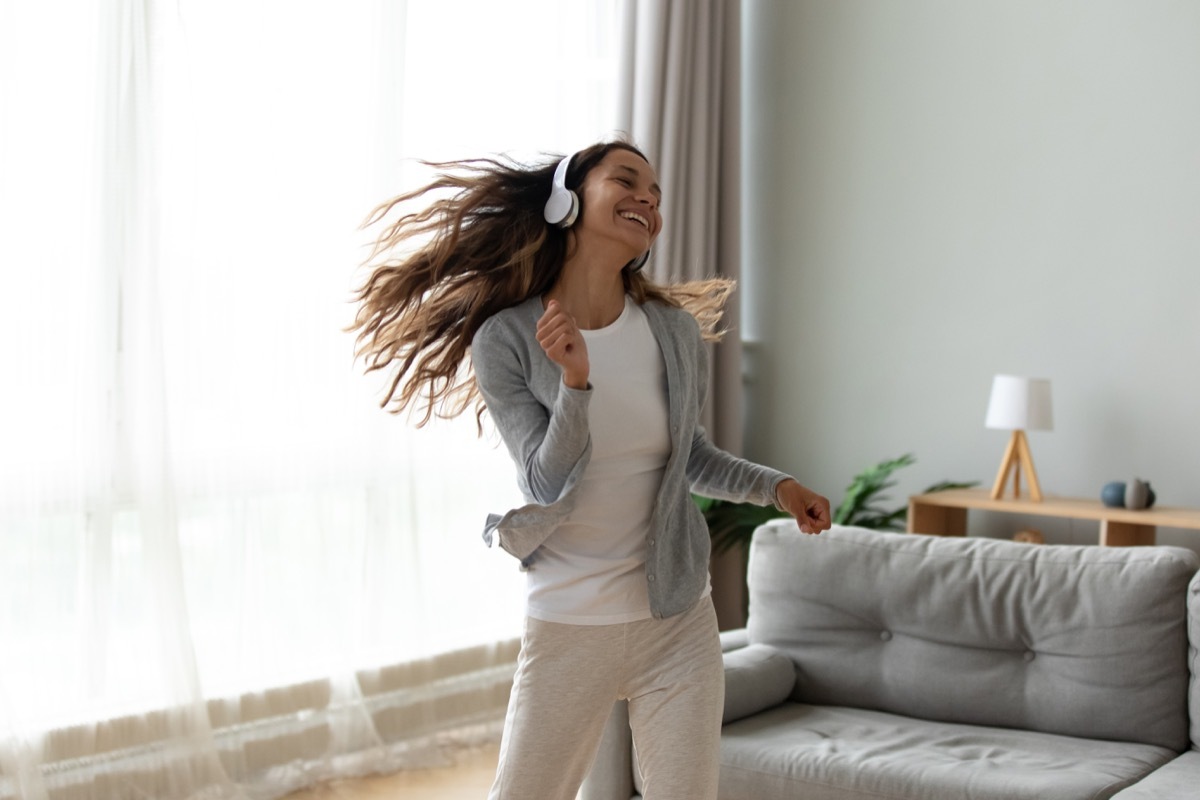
[(938, 191)]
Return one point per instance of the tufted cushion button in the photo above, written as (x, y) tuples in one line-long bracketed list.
[(1029, 656), (885, 636)]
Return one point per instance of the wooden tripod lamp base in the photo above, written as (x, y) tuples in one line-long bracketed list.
[(1016, 457)]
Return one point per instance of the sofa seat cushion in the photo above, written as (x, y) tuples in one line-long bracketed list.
[(839, 753)]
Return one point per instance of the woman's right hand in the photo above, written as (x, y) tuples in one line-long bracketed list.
[(559, 336), (810, 509)]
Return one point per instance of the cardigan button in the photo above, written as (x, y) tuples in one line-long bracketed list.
[(650, 578)]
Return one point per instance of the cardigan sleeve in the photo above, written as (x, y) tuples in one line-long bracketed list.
[(711, 471), (548, 444), (716, 473)]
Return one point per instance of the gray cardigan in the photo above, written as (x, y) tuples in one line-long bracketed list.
[(544, 424)]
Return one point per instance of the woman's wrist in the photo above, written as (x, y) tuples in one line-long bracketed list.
[(779, 490), (575, 381)]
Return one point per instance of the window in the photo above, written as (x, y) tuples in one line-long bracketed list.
[(200, 492)]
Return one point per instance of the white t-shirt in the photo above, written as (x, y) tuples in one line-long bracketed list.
[(592, 569)]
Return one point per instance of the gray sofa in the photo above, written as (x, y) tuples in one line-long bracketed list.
[(877, 665)]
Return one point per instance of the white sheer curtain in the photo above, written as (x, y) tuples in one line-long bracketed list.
[(223, 570)]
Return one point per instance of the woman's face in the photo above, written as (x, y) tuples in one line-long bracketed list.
[(620, 198)]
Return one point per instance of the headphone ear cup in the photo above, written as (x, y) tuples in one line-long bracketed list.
[(562, 207), (572, 212)]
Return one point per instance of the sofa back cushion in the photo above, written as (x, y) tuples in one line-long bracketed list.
[(1077, 640)]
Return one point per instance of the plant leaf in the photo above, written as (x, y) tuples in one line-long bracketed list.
[(865, 489)]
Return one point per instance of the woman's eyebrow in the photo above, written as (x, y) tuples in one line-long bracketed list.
[(654, 187)]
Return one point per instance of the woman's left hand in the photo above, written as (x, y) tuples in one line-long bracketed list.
[(810, 509)]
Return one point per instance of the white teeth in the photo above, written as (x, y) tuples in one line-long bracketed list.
[(636, 218)]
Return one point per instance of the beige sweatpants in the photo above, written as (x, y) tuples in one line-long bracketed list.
[(569, 676)]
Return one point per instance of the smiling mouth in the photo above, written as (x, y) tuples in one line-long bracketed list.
[(638, 218)]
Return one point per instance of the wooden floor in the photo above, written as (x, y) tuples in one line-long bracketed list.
[(469, 780)]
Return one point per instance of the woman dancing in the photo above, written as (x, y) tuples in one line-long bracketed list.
[(595, 377)]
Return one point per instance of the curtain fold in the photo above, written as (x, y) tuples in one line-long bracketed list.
[(127, 209)]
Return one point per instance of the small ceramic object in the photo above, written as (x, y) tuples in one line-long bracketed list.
[(1138, 494), (1029, 536), (1113, 494)]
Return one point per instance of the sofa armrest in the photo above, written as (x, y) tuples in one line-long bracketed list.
[(1194, 659), (757, 677), (1175, 780), (734, 639)]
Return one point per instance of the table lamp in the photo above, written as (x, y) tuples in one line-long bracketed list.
[(1019, 404)]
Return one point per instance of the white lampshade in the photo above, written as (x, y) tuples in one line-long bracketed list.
[(1020, 404)]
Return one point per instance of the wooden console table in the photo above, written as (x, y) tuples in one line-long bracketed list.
[(945, 514)]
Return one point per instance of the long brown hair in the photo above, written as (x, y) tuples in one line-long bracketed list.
[(479, 244)]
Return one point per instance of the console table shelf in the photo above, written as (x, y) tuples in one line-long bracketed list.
[(945, 514)]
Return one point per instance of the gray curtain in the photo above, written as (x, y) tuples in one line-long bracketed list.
[(680, 100)]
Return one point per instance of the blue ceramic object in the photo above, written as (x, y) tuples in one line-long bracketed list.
[(1113, 494)]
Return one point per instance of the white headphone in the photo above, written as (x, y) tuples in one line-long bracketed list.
[(562, 208)]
